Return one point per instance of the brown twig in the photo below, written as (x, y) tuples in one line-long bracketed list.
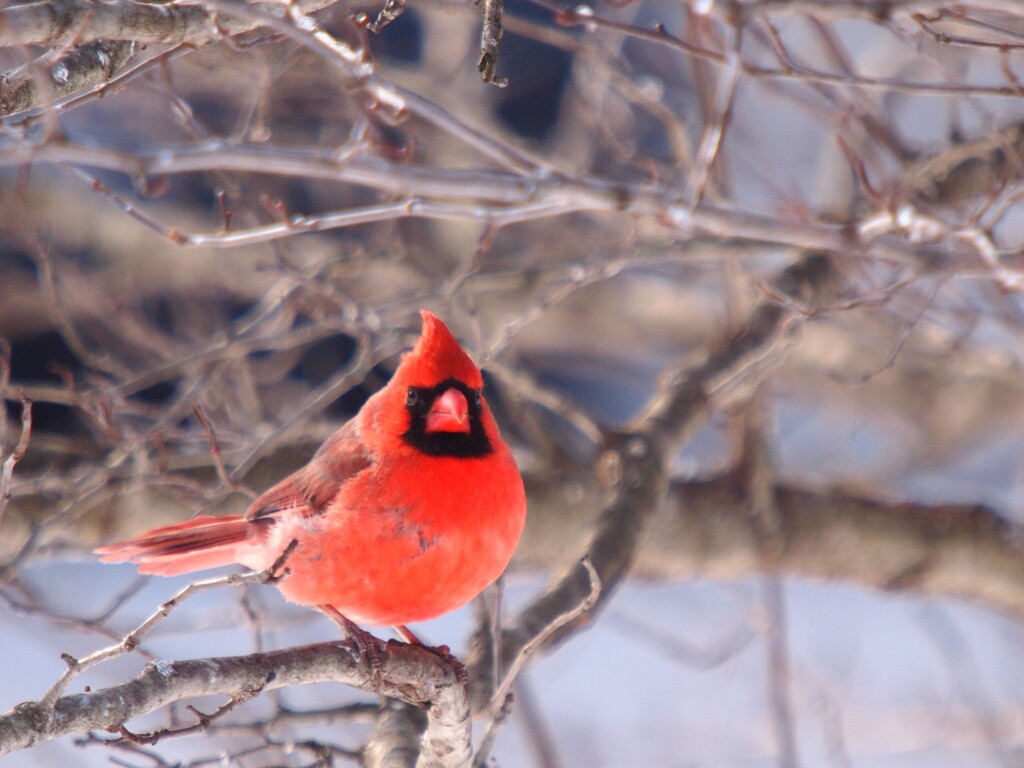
[(490, 37), (218, 460), (392, 10), (203, 720), (501, 702), (17, 453), (131, 641)]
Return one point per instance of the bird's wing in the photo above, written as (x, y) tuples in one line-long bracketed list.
[(307, 491)]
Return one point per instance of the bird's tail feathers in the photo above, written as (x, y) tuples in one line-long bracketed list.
[(194, 545)]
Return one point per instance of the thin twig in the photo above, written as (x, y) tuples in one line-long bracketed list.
[(7, 472), (203, 720), (392, 10), (218, 460), (502, 700), (557, 622), (131, 641)]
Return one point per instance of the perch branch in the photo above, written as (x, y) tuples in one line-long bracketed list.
[(409, 672)]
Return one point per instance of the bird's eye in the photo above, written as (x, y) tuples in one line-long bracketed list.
[(477, 398), (412, 397)]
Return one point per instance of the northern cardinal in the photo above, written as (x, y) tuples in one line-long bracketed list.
[(407, 512)]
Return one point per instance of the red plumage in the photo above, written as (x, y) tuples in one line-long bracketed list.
[(407, 512)]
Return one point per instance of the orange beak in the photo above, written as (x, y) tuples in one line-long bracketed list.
[(449, 413)]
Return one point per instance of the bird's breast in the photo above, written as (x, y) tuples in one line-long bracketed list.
[(412, 542)]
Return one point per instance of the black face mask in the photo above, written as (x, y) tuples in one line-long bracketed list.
[(471, 445)]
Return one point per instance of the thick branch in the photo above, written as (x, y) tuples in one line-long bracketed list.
[(53, 22), (705, 530), (635, 464), (945, 550), (83, 67), (411, 673), (106, 36), (611, 551), (395, 742)]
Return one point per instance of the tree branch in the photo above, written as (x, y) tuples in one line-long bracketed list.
[(634, 463), (409, 672), (705, 530), (54, 21), (18, 451), (395, 742), (82, 67)]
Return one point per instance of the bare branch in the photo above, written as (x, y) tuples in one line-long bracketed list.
[(705, 531), (218, 460), (501, 701), (127, 20), (18, 452), (411, 672), (83, 67), (490, 36), (395, 742), (392, 10), (633, 463), (131, 641)]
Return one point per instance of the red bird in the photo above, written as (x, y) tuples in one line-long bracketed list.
[(407, 512)]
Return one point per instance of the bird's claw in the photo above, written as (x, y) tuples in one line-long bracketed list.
[(369, 648), (368, 645), (445, 654)]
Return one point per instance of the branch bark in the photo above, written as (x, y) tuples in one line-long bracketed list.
[(83, 67), (634, 463), (54, 22), (704, 530), (412, 673), (102, 38)]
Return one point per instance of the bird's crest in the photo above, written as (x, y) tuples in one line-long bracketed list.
[(436, 357)]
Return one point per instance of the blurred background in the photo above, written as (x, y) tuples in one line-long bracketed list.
[(239, 208)]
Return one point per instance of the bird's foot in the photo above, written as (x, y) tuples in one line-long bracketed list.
[(441, 651), (368, 645), (449, 658)]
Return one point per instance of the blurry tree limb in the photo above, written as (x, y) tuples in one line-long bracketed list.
[(495, 197), (395, 742), (756, 468), (704, 530), (524, 193), (18, 450), (634, 463)]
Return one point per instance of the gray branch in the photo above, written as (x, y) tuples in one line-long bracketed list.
[(411, 673), (490, 36), (704, 529), (83, 67), (104, 37), (395, 742), (56, 21), (634, 463)]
